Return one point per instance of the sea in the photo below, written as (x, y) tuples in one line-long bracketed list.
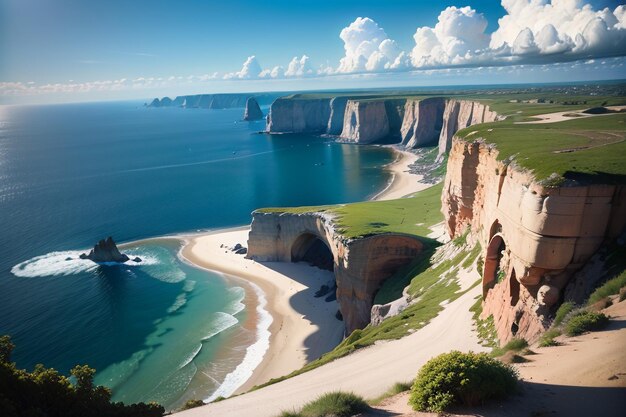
[(159, 330)]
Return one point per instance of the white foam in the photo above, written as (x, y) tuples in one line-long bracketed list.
[(191, 356), (180, 301), (222, 322), (254, 353), (237, 305), (57, 264)]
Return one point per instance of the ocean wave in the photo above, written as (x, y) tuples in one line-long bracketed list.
[(222, 322), (68, 263), (237, 305), (254, 353), (191, 357), (180, 301)]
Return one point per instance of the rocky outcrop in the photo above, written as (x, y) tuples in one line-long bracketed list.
[(106, 251), (360, 265), (534, 238), (422, 122), (253, 110), (295, 115)]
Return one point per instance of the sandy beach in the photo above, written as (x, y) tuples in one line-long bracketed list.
[(303, 327)]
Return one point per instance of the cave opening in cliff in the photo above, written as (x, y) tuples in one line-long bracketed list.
[(493, 270), (313, 250), (514, 288)]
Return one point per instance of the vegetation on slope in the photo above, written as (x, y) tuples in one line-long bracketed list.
[(45, 392), (332, 404), (461, 378)]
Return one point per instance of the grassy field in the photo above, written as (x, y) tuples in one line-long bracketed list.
[(590, 149)]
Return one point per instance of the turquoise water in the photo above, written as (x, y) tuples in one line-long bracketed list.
[(73, 174)]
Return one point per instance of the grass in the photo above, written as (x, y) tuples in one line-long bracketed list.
[(485, 329), (333, 404), (562, 312), (611, 287), (411, 215), (547, 339), (588, 150), (514, 345), (395, 389)]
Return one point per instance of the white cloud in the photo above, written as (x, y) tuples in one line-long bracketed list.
[(251, 69), (299, 67), (368, 48)]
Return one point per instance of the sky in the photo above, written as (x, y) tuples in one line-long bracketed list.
[(76, 50)]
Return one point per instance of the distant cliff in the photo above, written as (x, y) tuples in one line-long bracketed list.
[(412, 122), (212, 101), (253, 111)]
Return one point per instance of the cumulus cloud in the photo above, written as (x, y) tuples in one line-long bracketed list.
[(568, 28), (299, 67), (251, 69), (368, 48)]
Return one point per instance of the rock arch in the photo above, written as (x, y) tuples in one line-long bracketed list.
[(313, 249)]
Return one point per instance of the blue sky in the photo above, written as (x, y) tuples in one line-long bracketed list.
[(73, 50)]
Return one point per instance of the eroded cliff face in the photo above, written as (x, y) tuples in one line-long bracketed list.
[(204, 101), (360, 265), (534, 238), (414, 123), (288, 115)]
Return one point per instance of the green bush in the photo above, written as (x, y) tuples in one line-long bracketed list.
[(461, 378), (584, 321), (547, 339), (562, 312), (335, 404)]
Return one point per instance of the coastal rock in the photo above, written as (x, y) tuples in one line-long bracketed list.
[(155, 103), (422, 122), (253, 111), (360, 265), (337, 111), (535, 238), (106, 251)]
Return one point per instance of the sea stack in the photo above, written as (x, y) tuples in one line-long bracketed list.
[(106, 251), (253, 111)]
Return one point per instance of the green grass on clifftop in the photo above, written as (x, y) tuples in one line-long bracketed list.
[(589, 149)]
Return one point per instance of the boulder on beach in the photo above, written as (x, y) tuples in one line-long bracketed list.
[(253, 110), (107, 251)]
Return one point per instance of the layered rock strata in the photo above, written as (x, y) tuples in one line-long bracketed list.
[(534, 238), (360, 265), (289, 115)]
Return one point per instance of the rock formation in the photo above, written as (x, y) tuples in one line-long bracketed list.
[(366, 120), (534, 238), (209, 101), (106, 251), (253, 111), (360, 265)]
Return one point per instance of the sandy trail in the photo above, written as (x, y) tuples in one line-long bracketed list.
[(367, 372), (563, 115)]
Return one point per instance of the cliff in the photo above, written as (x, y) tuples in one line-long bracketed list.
[(360, 265), (253, 111), (289, 115), (534, 238), (203, 101), (412, 122)]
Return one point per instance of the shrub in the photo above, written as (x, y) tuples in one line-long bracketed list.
[(335, 404), (610, 287), (547, 339), (563, 311), (461, 378), (192, 404), (584, 321), (514, 345)]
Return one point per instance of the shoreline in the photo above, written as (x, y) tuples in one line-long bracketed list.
[(289, 329)]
